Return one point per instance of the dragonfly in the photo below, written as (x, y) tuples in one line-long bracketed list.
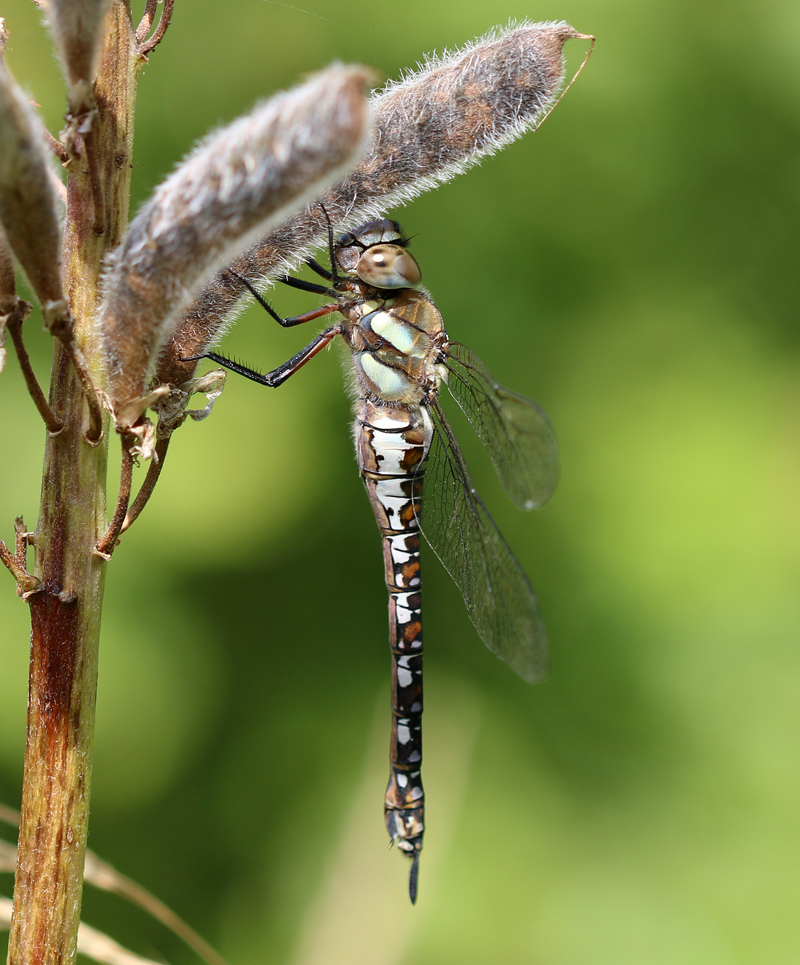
[(402, 360)]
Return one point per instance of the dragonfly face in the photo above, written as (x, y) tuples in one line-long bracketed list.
[(376, 254), (401, 355)]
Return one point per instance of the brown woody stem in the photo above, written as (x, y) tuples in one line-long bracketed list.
[(158, 33), (23, 539), (146, 23), (25, 581), (56, 146), (149, 484), (21, 536), (95, 430), (106, 544), (90, 147), (14, 326), (65, 614)]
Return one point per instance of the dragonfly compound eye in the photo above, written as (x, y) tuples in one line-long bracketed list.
[(388, 266)]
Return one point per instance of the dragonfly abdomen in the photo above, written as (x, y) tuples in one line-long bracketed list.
[(392, 443)]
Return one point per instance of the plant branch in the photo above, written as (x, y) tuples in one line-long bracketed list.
[(26, 582), (173, 410), (14, 325), (55, 146), (149, 484), (146, 23), (158, 34), (90, 148), (23, 539), (100, 874), (94, 431), (107, 542)]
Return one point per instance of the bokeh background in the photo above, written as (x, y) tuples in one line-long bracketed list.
[(632, 267)]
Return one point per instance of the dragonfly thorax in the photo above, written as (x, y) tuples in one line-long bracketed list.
[(397, 345)]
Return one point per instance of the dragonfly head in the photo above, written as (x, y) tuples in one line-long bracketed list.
[(376, 253)]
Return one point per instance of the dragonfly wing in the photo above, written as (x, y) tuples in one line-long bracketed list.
[(515, 431), (499, 599)]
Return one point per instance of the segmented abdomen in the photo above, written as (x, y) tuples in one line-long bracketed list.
[(392, 442)]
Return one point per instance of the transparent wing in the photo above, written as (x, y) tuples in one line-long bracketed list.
[(516, 432), (497, 594)]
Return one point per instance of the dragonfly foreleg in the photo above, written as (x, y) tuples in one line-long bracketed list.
[(314, 265), (293, 283), (306, 286), (279, 375)]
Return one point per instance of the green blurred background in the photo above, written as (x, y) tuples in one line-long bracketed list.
[(629, 266)]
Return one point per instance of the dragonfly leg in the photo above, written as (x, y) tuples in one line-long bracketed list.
[(279, 375), (334, 274), (306, 286), (293, 283), (319, 269)]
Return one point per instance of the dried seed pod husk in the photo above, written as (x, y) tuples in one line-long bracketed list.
[(28, 204), (8, 292), (77, 28), (435, 123), (238, 182), (8, 282)]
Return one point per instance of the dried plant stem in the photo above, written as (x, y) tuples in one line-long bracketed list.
[(94, 430), (158, 34), (21, 541), (65, 614), (25, 582), (56, 146), (14, 324), (90, 145), (103, 875), (146, 23), (106, 544), (149, 484)]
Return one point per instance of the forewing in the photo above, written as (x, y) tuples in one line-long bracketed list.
[(515, 431), (499, 599)]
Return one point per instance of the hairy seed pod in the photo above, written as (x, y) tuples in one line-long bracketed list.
[(235, 185), (76, 26), (428, 127), (8, 285), (8, 292), (28, 205)]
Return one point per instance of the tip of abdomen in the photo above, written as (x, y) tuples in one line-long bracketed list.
[(405, 829), (413, 879)]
